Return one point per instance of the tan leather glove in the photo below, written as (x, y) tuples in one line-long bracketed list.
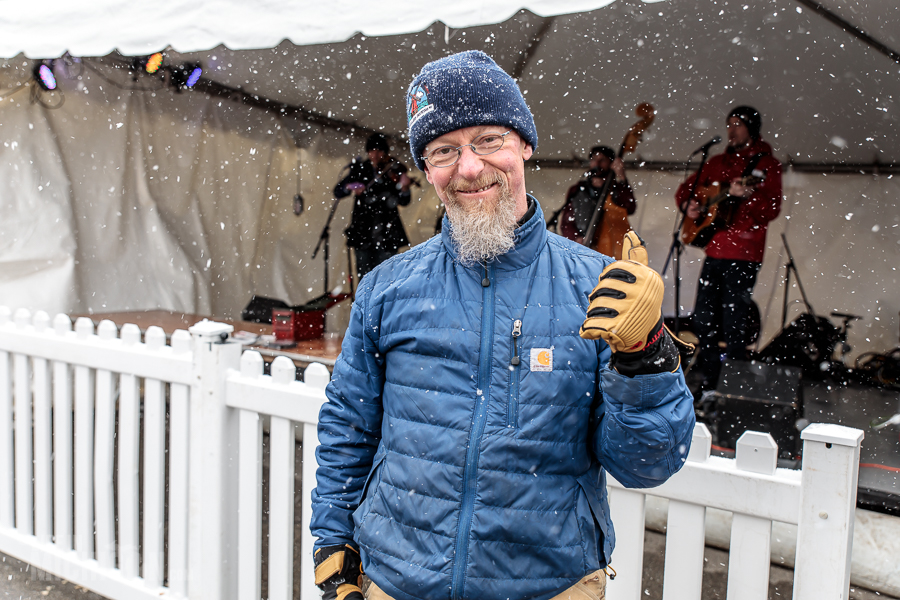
[(626, 305), (339, 572)]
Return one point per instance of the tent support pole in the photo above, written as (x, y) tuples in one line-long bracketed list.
[(851, 29)]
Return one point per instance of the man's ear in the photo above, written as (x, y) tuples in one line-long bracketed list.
[(527, 152), (428, 174)]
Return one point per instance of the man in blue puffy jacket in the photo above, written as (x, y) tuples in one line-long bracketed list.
[(474, 411)]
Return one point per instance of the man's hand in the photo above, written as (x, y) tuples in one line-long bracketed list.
[(740, 190), (618, 167), (355, 188), (339, 573), (693, 210), (626, 305)]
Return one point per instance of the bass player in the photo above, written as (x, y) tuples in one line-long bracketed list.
[(582, 197), (752, 178)]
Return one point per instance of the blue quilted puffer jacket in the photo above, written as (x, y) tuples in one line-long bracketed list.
[(461, 472)]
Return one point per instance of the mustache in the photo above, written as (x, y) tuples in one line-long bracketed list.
[(483, 180)]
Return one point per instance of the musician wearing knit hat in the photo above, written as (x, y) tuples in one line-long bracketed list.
[(735, 241), (487, 383), (750, 117)]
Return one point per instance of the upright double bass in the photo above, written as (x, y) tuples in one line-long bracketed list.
[(609, 221)]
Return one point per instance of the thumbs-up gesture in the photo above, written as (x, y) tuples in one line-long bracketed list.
[(626, 305)]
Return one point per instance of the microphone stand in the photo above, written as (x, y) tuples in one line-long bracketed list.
[(788, 267), (677, 247), (324, 239), (554, 218)]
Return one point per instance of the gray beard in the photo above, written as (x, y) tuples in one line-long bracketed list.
[(482, 232)]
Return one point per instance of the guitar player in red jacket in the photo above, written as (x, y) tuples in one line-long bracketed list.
[(734, 254)]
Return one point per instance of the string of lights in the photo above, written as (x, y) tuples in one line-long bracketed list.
[(89, 63), (186, 76), (190, 76)]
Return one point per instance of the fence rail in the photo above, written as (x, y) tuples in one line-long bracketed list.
[(757, 493), (96, 426), (71, 404)]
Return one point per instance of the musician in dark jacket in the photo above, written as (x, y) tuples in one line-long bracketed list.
[(379, 184), (583, 196), (735, 252)]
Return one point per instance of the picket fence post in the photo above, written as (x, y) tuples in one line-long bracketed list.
[(827, 511), (212, 541), (7, 452), (751, 537), (23, 431), (686, 533)]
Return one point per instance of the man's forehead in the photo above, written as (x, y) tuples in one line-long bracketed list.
[(465, 134)]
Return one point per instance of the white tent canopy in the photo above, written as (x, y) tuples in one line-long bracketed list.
[(129, 199), (102, 26)]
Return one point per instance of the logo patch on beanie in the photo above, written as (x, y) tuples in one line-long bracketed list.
[(419, 105)]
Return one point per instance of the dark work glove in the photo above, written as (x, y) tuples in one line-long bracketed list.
[(663, 352), (339, 573)]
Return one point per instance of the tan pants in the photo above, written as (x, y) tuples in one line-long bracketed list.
[(592, 587)]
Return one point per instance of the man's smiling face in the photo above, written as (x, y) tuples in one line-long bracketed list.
[(475, 182)]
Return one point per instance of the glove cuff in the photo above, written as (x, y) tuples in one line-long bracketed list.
[(685, 349), (659, 356), (345, 589), (338, 571)]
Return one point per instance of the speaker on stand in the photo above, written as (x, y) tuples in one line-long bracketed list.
[(760, 397)]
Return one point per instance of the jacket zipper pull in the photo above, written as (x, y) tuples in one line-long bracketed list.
[(485, 282), (516, 332)]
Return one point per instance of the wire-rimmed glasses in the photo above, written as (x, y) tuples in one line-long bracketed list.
[(446, 156)]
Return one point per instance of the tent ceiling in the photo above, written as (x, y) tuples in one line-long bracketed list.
[(825, 96), (878, 18)]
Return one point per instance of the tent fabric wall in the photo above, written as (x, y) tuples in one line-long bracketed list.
[(128, 200), (129, 191), (37, 225)]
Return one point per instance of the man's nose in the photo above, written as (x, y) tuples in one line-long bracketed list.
[(469, 164)]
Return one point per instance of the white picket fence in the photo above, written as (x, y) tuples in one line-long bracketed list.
[(134, 468)]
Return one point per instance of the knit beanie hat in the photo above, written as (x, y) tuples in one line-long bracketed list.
[(605, 151), (750, 117), (378, 141), (464, 90)]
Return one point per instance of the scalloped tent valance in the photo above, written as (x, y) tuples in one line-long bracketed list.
[(48, 29)]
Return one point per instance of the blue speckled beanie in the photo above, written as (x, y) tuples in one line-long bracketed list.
[(464, 90)]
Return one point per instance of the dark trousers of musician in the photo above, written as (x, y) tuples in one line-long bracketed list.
[(722, 311)]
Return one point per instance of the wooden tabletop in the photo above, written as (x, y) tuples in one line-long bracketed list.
[(323, 350)]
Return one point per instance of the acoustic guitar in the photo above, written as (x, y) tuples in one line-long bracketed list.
[(717, 211)]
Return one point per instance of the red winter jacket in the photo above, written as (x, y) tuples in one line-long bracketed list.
[(746, 238)]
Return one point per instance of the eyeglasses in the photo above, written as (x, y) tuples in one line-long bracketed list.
[(446, 156)]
